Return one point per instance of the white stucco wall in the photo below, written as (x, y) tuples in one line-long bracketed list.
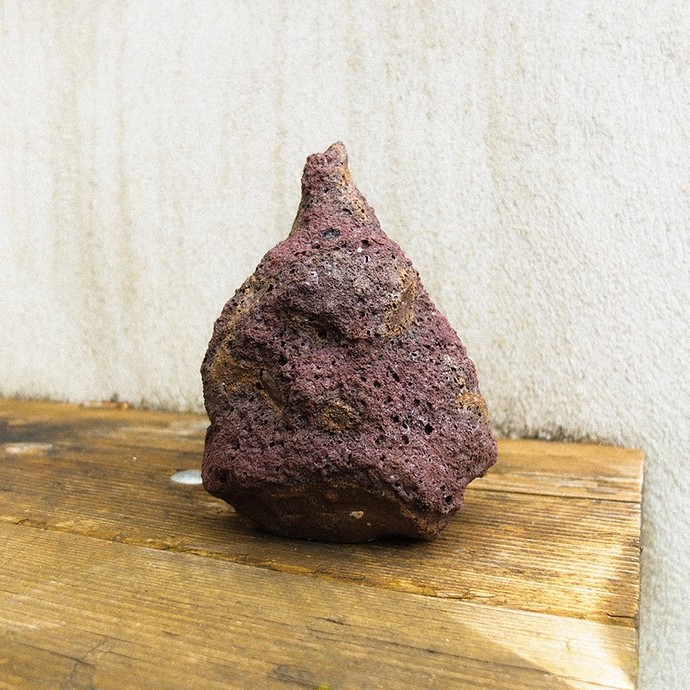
[(533, 158)]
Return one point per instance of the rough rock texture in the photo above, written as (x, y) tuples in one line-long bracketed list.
[(343, 405)]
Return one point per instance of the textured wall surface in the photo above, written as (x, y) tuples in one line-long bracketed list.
[(533, 158)]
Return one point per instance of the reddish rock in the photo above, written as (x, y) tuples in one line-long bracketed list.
[(343, 405)]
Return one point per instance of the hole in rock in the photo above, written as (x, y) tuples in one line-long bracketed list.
[(428, 428)]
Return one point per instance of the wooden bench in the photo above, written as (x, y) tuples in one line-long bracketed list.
[(114, 576)]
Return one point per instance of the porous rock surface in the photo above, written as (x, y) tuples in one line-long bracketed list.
[(343, 405)]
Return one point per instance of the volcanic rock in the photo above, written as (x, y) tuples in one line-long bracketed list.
[(343, 405)]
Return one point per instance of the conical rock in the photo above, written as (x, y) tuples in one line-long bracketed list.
[(343, 405)]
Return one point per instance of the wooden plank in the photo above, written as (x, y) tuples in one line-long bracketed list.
[(109, 571), (105, 473), (581, 470), (78, 612)]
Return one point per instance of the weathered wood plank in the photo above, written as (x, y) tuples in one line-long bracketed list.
[(109, 571), (82, 612), (581, 470), (105, 473)]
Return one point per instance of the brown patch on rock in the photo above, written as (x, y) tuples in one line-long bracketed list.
[(338, 416), (343, 406)]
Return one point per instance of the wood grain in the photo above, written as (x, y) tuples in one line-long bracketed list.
[(110, 569)]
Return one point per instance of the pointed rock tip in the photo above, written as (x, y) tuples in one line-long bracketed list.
[(327, 167), (327, 182), (337, 153)]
